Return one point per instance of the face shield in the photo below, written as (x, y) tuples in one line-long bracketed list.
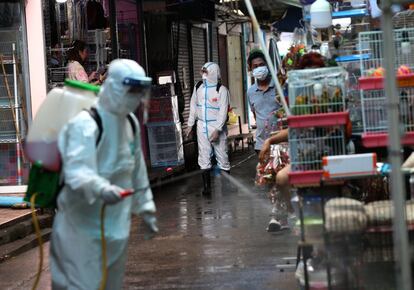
[(125, 87), (138, 95), (210, 73)]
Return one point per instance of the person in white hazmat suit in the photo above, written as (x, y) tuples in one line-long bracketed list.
[(209, 107), (95, 174)]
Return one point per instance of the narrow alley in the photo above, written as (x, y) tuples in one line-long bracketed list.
[(211, 243), (217, 242)]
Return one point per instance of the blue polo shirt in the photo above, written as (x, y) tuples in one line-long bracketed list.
[(263, 103)]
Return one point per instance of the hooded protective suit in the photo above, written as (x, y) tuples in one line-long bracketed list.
[(209, 108), (89, 171)]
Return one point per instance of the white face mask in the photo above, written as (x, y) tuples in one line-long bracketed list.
[(204, 76), (260, 73)]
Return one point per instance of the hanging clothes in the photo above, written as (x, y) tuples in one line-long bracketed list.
[(95, 15)]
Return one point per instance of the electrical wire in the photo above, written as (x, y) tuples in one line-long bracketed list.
[(104, 257), (39, 239)]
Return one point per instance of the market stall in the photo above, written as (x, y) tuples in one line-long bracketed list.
[(349, 220), (355, 207)]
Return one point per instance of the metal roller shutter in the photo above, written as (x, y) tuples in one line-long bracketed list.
[(184, 74), (183, 69), (215, 44), (199, 44)]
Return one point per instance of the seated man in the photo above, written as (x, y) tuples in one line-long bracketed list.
[(282, 191)]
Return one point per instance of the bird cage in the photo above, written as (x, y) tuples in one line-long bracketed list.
[(373, 98), (351, 63), (311, 138), (371, 43), (404, 19), (358, 239), (317, 91)]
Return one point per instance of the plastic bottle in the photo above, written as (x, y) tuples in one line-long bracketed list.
[(320, 12), (60, 105), (358, 3)]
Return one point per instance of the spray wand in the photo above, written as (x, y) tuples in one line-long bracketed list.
[(102, 286)]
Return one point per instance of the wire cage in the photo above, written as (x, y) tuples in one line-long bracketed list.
[(374, 100), (356, 247), (57, 75), (371, 43), (317, 91), (333, 262), (4, 94), (353, 104), (7, 127), (404, 19), (359, 242), (375, 110), (165, 143), (308, 146)]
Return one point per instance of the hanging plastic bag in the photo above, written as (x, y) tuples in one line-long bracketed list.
[(278, 159)]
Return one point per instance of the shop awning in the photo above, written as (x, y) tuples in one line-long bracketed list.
[(267, 11), (228, 14)]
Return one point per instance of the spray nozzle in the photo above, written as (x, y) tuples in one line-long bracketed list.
[(127, 193)]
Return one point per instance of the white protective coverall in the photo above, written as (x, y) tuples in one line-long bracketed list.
[(88, 170), (209, 108)]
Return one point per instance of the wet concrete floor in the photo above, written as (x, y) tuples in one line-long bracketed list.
[(216, 242)]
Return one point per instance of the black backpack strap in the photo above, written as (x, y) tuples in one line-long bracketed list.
[(95, 115), (201, 82), (131, 120), (198, 85)]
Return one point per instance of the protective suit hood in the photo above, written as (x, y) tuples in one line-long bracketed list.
[(212, 73), (115, 96)]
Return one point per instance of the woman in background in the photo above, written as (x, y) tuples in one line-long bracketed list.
[(77, 56)]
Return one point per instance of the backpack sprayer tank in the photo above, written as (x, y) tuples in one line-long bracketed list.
[(60, 105)]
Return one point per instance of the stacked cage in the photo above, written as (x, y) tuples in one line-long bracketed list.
[(374, 99), (317, 127), (359, 241), (351, 63), (164, 128)]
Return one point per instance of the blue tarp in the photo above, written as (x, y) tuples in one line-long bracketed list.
[(8, 201)]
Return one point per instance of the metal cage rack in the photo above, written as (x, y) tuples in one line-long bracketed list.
[(374, 103), (374, 100), (352, 247), (351, 64), (356, 240), (318, 125), (13, 116)]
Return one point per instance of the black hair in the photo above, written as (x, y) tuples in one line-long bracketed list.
[(73, 52), (255, 53)]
